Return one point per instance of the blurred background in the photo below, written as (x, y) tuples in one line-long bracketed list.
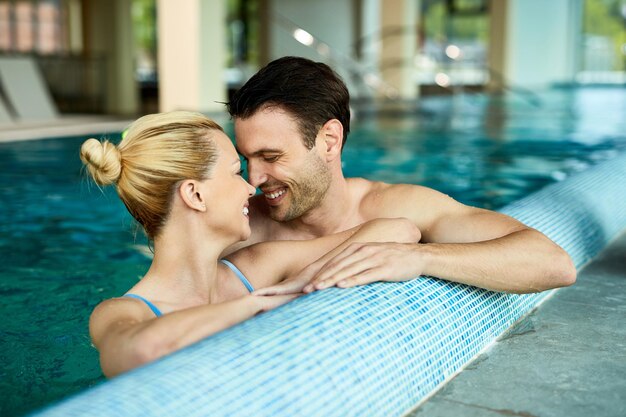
[(484, 100), (129, 57)]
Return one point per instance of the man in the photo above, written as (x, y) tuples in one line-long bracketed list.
[(291, 122)]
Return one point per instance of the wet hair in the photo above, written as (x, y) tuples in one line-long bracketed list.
[(309, 91), (158, 152)]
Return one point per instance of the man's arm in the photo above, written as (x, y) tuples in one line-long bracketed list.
[(269, 263), (463, 244)]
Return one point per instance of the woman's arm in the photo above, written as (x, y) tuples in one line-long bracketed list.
[(126, 339), (269, 263)]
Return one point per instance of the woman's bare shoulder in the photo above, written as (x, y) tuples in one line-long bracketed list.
[(116, 312)]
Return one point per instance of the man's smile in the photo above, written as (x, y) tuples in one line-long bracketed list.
[(274, 196)]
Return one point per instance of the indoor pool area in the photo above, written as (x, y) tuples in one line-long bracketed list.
[(66, 245), (510, 304)]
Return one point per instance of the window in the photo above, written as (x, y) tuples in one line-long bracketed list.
[(32, 27), (604, 42)]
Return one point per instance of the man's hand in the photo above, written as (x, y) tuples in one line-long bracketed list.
[(363, 263)]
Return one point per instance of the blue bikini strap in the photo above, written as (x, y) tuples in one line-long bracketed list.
[(239, 274), (154, 308)]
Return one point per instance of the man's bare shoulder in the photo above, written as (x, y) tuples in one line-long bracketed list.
[(380, 199), (377, 189)]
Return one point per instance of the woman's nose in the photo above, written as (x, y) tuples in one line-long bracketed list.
[(251, 189)]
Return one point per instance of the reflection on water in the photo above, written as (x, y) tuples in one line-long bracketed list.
[(65, 245), (488, 151)]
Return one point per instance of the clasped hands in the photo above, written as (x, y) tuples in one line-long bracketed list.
[(357, 264)]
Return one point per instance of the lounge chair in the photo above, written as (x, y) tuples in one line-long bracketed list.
[(5, 115), (26, 90)]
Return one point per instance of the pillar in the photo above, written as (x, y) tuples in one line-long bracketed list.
[(534, 43), (109, 33), (399, 45), (191, 55)]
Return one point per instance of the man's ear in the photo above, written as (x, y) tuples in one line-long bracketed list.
[(192, 196), (332, 134)]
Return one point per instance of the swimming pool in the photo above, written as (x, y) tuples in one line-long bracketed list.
[(66, 246)]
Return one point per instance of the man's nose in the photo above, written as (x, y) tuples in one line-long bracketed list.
[(256, 175)]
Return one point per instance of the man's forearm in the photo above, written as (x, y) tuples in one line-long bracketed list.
[(522, 262)]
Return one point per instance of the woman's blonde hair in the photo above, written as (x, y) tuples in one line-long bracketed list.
[(158, 151)]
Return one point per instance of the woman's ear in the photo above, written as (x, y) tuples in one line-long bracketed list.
[(192, 196), (332, 134)]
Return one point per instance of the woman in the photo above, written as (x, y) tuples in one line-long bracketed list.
[(180, 177)]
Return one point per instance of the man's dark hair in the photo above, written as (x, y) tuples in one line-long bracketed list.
[(310, 91)]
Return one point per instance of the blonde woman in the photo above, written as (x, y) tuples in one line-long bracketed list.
[(179, 176)]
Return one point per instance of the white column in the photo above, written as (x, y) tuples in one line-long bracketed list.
[(191, 55), (398, 50), (534, 42), (370, 33)]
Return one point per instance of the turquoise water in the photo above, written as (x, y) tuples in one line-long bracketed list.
[(66, 245)]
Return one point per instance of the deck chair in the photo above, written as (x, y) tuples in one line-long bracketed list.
[(26, 90), (5, 115)]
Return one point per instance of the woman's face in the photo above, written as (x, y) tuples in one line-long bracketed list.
[(229, 192)]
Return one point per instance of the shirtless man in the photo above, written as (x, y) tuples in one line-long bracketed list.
[(291, 122)]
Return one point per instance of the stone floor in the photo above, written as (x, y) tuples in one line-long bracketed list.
[(565, 359)]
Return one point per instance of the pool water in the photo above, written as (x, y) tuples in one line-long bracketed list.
[(65, 245)]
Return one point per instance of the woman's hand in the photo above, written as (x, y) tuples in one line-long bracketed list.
[(267, 302), (295, 284)]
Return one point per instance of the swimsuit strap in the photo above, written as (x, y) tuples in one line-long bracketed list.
[(239, 274), (154, 308)]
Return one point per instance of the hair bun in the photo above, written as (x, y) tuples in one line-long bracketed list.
[(103, 160)]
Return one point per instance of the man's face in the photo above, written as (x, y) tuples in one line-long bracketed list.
[(293, 179)]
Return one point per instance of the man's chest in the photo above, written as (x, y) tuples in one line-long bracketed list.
[(281, 232)]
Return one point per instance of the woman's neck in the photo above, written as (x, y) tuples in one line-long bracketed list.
[(184, 267)]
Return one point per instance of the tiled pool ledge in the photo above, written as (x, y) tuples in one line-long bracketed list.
[(567, 358), (376, 350)]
